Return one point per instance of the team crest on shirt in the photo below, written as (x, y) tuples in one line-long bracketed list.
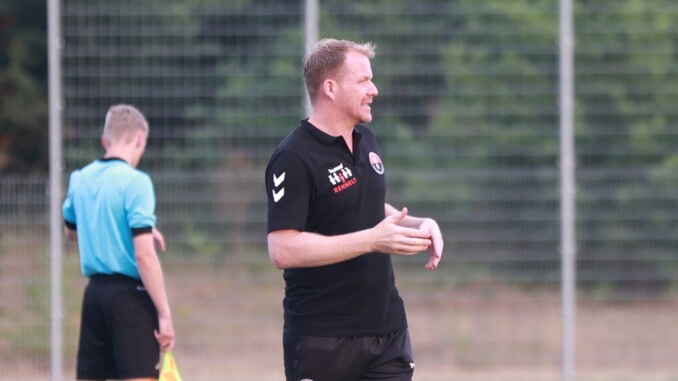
[(341, 177), (376, 163)]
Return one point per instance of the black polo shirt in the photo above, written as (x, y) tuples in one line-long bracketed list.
[(315, 184)]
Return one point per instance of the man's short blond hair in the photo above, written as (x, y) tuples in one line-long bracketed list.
[(326, 59), (122, 121)]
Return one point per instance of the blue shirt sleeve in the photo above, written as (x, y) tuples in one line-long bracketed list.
[(140, 202), (67, 208)]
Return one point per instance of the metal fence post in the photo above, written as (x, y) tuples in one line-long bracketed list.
[(55, 169), (310, 36), (567, 196)]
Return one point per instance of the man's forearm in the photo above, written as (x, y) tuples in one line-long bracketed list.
[(294, 249), (151, 273)]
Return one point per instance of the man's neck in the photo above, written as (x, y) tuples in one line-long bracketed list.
[(333, 126), (120, 153)]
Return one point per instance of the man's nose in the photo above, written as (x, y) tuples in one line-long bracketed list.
[(373, 90)]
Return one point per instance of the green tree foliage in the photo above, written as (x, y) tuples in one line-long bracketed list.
[(628, 141), (467, 113), (256, 95), (480, 109), (145, 53), (23, 87), (496, 127)]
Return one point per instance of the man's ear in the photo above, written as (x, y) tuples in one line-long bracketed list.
[(139, 139), (330, 88), (105, 142)]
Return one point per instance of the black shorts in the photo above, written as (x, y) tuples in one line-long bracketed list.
[(117, 339), (387, 357)]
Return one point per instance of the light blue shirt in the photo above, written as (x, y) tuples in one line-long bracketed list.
[(106, 200)]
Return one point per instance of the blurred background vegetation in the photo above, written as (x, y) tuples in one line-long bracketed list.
[(23, 87), (468, 122), (467, 90)]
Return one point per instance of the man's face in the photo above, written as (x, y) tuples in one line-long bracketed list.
[(355, 89)]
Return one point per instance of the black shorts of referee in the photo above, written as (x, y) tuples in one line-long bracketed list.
[(117, 339), (313, 358)]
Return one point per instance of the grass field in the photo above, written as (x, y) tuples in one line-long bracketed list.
[(228, 319)]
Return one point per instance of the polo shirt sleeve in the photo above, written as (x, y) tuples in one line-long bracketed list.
[(140, 202), (288, 187), (68, 208)]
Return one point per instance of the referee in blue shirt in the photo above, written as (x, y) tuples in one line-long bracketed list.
[(110, 210), (332, 232)]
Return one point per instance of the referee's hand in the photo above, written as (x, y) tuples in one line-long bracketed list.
[(158, 240), (165, 333)]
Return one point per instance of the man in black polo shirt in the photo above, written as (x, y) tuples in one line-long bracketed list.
[(331, 230)]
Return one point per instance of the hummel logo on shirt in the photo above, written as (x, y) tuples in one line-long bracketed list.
[(278, 195), (277, 181)]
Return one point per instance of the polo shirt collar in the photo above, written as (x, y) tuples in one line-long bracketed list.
[(109, 159), (324, 137)]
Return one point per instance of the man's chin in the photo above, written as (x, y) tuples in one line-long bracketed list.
[(366, 119)]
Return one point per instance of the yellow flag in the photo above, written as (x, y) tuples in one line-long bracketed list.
[(169, 370)]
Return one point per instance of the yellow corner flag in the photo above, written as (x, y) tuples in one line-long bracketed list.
[(169, 370)]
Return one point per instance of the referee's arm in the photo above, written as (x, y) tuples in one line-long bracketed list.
[(70, 231), (152, 277)]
